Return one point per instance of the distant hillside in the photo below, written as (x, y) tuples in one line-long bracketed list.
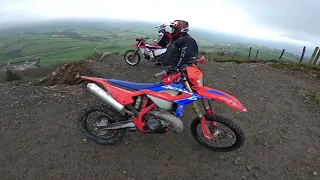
[(230, 38), (76, 39)]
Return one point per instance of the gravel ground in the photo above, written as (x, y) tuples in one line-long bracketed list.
[(40, 138)]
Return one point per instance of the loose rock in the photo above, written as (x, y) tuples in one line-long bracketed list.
[(78, 75), (248, 168)]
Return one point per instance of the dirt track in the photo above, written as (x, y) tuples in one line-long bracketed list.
[(40, 138)]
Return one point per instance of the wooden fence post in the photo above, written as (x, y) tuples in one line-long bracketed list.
[(281, 54), (313, 54), (209, 55), (249, 53), (302, 55), (234, 54), (317, 57), (257, 54)]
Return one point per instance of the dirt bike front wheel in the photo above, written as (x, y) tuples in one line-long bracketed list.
[(128, 56), (216, 124)]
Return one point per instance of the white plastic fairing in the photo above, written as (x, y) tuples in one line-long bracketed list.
[(142, 50), (158, 52), (163, 104)]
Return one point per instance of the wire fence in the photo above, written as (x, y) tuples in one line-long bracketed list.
[(260, 54)]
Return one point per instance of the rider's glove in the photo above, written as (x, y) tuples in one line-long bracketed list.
[(171, 69)]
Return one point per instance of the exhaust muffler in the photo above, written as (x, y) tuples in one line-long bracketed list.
[(102, 94)]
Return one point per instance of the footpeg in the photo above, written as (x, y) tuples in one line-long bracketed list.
[(134, 129)]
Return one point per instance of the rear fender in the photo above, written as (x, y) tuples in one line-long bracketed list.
[(220, 96), (122, 96), (93, 79)]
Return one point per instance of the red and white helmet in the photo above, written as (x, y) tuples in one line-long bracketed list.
[(178, 27)]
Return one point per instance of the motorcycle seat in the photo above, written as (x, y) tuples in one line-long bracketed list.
[(154, 46)]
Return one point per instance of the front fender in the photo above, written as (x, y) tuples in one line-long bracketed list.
[(216, 95)]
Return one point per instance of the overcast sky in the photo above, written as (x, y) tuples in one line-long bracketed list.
[(283, 20)]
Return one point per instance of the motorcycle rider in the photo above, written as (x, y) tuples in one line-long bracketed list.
[(183, 49), (164, 37)]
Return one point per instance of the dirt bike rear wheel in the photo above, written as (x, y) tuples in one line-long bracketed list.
[(221, 120), (128, 58), (111, 115)]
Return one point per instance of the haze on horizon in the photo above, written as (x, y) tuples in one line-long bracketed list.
[(284, 20)]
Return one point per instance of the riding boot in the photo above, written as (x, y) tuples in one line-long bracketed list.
[(152, 54)]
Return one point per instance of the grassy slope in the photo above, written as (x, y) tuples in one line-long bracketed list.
[(33, 40)]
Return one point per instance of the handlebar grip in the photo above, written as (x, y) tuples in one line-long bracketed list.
[(164, 72)]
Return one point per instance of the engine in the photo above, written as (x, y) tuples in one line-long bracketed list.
[(155, 124)]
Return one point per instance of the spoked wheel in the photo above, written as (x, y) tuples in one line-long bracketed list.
[(227, 135), (91, 121), (132, 58)]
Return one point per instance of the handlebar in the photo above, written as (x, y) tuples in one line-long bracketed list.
[(201, 60), (144, 38), (165, 72), (162, 73)]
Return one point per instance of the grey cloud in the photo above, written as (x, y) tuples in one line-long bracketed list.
[(294, 18)]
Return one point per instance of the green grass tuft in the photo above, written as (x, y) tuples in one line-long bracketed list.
[(315, 95)]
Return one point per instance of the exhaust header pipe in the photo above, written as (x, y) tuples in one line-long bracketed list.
[(176, 123), (102, 94)]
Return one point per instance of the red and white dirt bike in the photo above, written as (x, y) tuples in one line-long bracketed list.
[(148, 51), (158, 107)]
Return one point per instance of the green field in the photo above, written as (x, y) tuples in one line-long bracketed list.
[(69, 41)]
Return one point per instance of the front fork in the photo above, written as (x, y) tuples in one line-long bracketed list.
[(136, 50), (206, 104)]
